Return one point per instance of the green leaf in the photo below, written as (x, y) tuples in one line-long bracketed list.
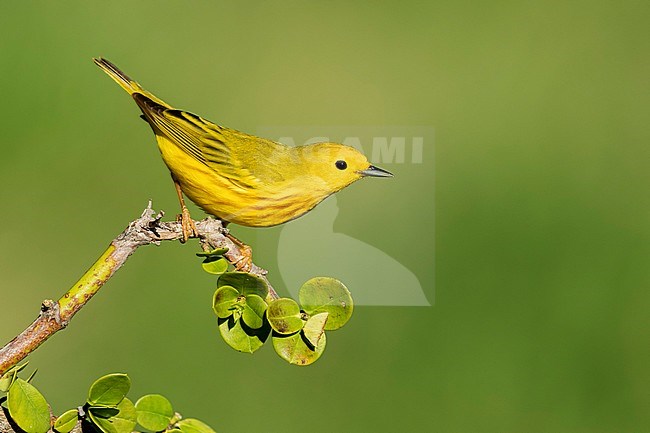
[(173, 430), (6, 380), (324, 294), (103, 424), (295, 349), (67, 421), (28, 407), (241, 337), (103, 411), (214, 253), (253, 314), (10, 376), (314, 329), (284, 316), (247, 284), (191, 425), (109, 390), (215, 265), (123, 422), (154, 412), (224, 301)]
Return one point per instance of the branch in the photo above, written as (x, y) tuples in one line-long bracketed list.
[(148, 229)]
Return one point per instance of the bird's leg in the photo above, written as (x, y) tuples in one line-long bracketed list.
[(245, 262), (187, 224)]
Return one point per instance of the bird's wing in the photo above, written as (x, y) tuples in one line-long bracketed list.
[(244, 159)]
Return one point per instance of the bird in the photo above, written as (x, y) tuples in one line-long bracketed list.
[(237, 177)]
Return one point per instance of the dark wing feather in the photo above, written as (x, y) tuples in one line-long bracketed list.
[(229, 153)]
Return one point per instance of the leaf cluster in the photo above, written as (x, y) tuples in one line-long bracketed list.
[(106, 410), (247, 316)]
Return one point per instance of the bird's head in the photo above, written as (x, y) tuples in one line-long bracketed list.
[(337, 165)]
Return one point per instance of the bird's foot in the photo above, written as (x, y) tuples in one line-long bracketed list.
[(187, 225), (245, 262)]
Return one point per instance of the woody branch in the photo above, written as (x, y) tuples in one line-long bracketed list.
[(148, 229)]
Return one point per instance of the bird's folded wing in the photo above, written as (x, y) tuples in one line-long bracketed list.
[(201, 139)]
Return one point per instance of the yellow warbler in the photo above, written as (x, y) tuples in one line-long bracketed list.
[(238, 177)]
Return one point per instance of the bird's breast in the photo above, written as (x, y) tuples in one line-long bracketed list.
[(261, 204)]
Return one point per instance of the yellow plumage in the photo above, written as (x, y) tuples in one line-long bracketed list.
[(238, 177)]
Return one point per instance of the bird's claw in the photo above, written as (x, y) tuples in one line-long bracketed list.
[(245, 262), (187, 225)]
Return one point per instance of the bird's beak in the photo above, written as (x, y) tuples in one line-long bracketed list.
[(375, 172)]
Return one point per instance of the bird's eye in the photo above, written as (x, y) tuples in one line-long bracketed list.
[(341, 165)]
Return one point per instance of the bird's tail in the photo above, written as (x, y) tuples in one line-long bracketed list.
[(120, 77), (131, 86)]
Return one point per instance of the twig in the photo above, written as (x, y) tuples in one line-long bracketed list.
[(148, 229)]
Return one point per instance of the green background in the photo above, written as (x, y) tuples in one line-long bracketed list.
[(539, 259)]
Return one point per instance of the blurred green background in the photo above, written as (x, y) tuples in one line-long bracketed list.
[(540, 255)]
